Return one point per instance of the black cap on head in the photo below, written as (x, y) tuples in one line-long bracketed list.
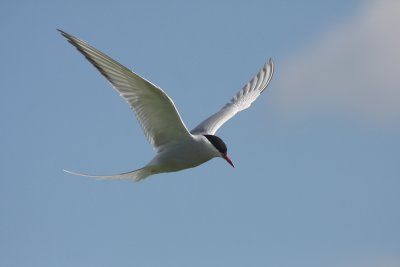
[(220, 146), (217, 143)]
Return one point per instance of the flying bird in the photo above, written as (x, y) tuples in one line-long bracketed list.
[(176, 148)]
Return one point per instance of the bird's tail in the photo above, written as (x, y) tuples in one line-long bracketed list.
[(135, 175)]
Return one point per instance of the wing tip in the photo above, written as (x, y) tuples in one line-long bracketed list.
[(270, 64), (64, 33), (269, 68)]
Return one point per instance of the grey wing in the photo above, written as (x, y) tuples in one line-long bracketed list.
[(242, 100), (153, 108)]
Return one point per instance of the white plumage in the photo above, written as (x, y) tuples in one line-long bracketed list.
[(176, 148)]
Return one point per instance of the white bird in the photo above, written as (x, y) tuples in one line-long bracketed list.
[(176, 148)]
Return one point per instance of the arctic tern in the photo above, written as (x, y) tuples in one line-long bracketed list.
[(176, 148)]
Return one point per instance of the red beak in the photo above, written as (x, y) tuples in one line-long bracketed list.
[(226, 157)]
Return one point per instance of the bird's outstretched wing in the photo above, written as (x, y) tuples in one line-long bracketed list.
[(242, 100), (153, 108)]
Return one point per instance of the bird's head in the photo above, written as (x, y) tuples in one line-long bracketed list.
[(220, 146)]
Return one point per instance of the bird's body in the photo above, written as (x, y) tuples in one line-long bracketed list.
[(176, 148), (178, 157)]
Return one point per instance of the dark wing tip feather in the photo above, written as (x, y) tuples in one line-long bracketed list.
[(270, 64), (72, 40)]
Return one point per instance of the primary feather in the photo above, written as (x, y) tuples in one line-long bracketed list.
[(242, 100)]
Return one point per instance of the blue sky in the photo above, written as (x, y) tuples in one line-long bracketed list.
[(316, 181)]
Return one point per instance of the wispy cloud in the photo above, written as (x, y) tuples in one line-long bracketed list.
[(352, 68), (372, 261)]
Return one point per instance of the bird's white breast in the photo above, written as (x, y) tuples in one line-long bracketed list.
[(184, 155)]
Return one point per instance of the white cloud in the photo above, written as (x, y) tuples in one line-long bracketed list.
[(353, 68), (374, 261)]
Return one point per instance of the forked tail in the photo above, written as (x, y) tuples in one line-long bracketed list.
[(135, 175)]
